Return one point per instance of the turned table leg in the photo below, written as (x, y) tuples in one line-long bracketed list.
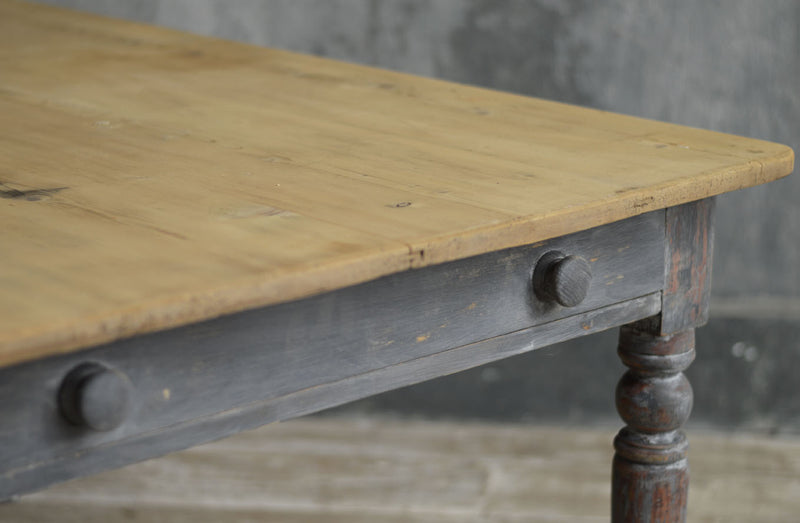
[(651, 473)]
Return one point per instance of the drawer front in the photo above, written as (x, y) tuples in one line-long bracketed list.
[(215, 367)]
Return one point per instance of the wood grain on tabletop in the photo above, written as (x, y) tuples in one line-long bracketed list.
[(152, 178)]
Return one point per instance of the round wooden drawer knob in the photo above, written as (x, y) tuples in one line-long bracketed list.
[(95, 397), (562, 279)]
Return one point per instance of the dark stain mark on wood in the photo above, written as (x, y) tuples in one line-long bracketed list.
[(31, 195), (169, 233), (644, 203)]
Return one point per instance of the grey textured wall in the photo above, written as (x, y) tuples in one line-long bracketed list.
[(731, 65)]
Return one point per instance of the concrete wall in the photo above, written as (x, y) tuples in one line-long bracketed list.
[(730, 65)]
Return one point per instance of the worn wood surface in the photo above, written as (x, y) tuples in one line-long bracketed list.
[(304, 356), (151, 178), (369, 470), (650, 479), (688, 260)]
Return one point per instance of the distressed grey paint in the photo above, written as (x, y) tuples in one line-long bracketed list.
[(731, 65), (137, 398), (744, 377)]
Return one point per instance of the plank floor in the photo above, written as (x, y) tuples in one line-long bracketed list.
[(367, 470)]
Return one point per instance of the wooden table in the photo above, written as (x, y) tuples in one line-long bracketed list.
[(200, 237)]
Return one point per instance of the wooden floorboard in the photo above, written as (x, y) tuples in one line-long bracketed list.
[(360, 470)]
